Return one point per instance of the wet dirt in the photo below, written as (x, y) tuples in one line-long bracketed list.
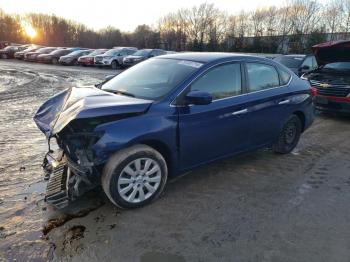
[(254, 207), (23, 212)]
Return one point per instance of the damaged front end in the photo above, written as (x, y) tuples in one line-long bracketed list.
[(69, 121), (70, 167)]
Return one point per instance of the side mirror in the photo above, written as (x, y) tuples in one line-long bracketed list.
[(198, 98), (305, 67)]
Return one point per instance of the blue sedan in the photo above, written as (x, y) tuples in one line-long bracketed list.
[(166, 116)]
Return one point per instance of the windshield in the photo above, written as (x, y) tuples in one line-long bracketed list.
[(9, 47), (60, 51), (151, 79), (338, 66), (112, 52), (97, 52), (289, 61), (77, 52), (45, 50), (142, 52)]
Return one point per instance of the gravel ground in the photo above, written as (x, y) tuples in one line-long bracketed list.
[(254, 207)]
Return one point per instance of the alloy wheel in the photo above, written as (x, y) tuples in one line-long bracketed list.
[(139, 180)]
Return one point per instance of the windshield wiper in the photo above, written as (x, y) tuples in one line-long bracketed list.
[(119, 92)]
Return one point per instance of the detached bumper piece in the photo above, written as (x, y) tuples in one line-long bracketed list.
[(57, 191)]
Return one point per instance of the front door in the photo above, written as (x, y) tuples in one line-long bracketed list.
[(207, 132)]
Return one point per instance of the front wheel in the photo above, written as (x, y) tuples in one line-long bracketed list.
[(135, 176), (114, 64), (289, 136)]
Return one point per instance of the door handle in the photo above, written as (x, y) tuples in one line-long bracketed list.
[(284, 102), (243, 111)]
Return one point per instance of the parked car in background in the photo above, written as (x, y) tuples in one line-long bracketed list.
[(114, 57), (9, 51), (88, 60), (72, 58), (54, 56), (31, 56), (299, 64), (142, 55), (3, 44), (330, 82), (164, 117), (31, 48)]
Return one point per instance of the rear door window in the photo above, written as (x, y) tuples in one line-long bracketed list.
[(221, 82), (261, 76)]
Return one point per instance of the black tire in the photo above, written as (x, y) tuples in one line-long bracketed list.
[(4, 56), (115, 64), (289, 136), (54, 61), (114, 169)]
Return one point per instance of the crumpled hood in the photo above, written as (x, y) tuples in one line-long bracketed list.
[(85, 102), (331, 52)]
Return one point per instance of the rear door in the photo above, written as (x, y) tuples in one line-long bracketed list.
[(207, 132), (268, 101)]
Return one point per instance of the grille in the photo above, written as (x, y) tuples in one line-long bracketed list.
[(339, 90), (56, 192)]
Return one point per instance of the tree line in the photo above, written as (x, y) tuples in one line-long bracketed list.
[(200, 28)]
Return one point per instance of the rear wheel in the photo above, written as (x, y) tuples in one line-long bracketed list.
[(135, 176), (289, 136), (115, 64), (4, 56), (54, 61)]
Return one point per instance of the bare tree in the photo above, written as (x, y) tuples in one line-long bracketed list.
[(333, 15)]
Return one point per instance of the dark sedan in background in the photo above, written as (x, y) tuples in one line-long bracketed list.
[(32, 56), (88, 60), (9, 51), (142, 55), (54, 56), (166, 116), (31, 48), (299, 64), (331, 80), (72, 58)]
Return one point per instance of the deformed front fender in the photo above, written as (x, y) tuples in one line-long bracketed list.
[(126, 132)]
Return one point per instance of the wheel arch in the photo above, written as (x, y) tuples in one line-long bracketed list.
[(162, 148), (302, 119)]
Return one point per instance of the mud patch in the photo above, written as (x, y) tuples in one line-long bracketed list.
[(74, 233), (60, 221)]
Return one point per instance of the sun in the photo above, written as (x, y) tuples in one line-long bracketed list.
[(29, 30)]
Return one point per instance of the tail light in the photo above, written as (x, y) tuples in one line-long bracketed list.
[(313, 91)]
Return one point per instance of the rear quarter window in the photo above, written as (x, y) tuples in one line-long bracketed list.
[(261, 76), (284, 76)]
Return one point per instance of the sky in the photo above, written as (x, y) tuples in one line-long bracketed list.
[(125, 15)]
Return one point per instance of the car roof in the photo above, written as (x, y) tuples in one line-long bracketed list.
[(207, 57), (300, 56)]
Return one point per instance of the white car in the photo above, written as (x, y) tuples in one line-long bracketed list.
[(114, 57)]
